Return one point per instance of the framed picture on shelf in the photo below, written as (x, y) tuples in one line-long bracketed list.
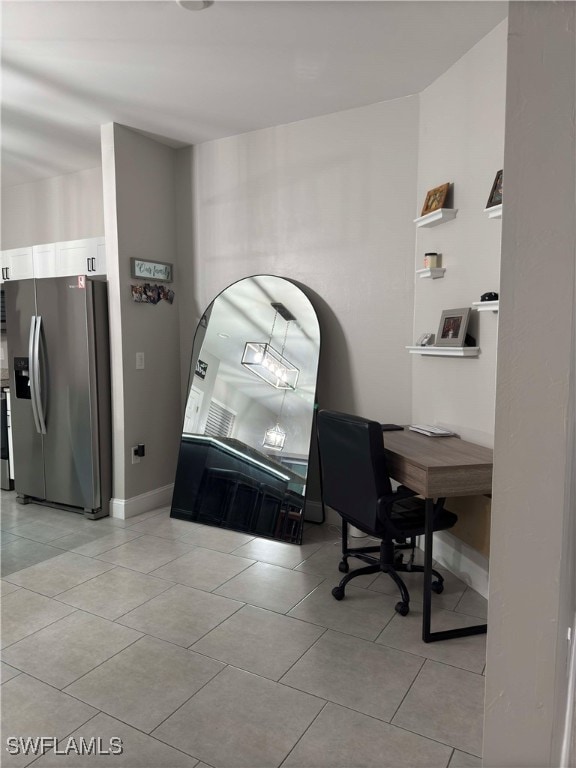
[(453, 327), (496, 192), (435, 199)]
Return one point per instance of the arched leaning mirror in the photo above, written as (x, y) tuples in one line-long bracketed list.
[(243, 461)]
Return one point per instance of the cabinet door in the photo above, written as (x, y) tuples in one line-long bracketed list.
[(74, 257), (44, 257), (100, 260), (17, 264)]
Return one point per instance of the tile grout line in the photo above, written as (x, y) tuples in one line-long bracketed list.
[(74, 610), (62, 690), (408, 691), (67, 736), (214, 676), (304, 733)]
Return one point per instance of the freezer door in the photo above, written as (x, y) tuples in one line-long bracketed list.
[(26, 436), (68, 391)]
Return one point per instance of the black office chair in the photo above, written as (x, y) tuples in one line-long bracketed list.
[(355, 483)]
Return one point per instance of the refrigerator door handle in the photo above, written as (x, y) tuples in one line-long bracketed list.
[(31, 374), (37, 390)]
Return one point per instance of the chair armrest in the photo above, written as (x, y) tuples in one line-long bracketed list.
[(386, 502), (402, 492)]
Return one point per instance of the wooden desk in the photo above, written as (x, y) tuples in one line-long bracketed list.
[(438, 468)]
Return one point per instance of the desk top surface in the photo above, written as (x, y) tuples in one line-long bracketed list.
[(431, 453)]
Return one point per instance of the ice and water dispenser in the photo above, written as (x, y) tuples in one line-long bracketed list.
[(22, 378)]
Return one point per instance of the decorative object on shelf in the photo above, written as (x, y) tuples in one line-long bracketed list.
[(489, 296), (432, 260), (266, 362), (435, 199), (425, 340), (151, 270), (495, 197), (452, 328), (147, 293)]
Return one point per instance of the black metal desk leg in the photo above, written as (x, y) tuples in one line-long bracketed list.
[(427, 635), (428, 539)]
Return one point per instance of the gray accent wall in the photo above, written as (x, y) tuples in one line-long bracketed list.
[(140, 218)]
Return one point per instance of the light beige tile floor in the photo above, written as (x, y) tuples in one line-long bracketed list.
[(205, 648)]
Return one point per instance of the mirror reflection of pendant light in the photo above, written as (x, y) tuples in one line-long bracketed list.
[(275, 437), (266, 362)]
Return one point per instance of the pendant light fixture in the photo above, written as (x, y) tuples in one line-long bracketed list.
[(264, 361), (275, 437)]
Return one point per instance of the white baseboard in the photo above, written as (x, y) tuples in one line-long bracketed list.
[(462, 560), (145, 502), (568, 738)]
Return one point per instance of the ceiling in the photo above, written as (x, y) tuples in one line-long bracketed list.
[(70, 66)]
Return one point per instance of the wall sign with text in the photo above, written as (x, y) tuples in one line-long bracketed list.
[(201, 368), (151, 270)]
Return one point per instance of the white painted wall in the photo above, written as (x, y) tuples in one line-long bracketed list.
[(532, 583), (327, 202), (140, 218), (461, 141), (61, 208)]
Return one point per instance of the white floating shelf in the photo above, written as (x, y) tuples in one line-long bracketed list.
[(494, 212), (436, 217), (445, 351), (433, 272), (484, 306)]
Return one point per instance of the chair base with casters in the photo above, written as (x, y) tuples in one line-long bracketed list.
[(389, 561)]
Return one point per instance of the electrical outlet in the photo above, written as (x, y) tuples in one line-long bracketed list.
[(139, 361), (134, 453)]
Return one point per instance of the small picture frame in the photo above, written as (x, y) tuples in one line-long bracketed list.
[(496, 191), (453, 327), (435, 199)]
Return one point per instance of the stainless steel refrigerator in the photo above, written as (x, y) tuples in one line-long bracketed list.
[(59, 365)]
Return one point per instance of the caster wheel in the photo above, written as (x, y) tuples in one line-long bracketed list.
[(437, 587), (343, 566), (338, 593), (402, 608)]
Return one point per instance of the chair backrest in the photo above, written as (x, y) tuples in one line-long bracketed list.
[(353, 466)]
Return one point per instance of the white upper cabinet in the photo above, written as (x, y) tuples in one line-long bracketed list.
[(74, 257), (100, 258), (44, 260), (80, 257), (17, 264)]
